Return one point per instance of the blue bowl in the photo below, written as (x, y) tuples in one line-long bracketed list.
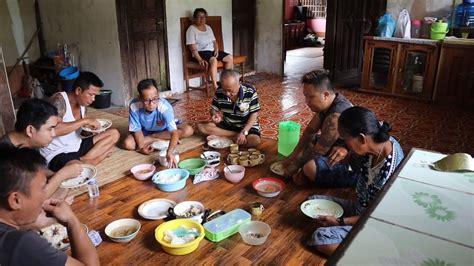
[(69, 73), (170, 187)]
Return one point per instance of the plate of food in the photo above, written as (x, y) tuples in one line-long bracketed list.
[(104, 125), (88, 172), (56, 235), (220, 143), (155, 209), (160, 145), (321, 207), (278, 168)]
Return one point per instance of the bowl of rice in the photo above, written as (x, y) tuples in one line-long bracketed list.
[(170, 180)]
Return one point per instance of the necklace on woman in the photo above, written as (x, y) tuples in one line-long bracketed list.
[(380, 152)]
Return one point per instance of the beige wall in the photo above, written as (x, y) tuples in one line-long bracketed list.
[(269, 35), (17, 25), (90, 30), (175, 9), (421, 8)]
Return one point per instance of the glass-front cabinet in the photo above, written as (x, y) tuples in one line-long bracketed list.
[(379, 60), (400, 68), (415, 76)]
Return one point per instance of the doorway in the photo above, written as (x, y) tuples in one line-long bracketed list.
[(243, 30), (304, 30), (143, 43)]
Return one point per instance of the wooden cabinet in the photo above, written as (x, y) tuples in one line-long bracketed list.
[(398, 67), (293, 35), (455, 79)]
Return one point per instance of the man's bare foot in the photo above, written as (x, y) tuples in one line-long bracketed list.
[(300, 179)]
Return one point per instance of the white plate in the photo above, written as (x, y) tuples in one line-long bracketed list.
[(160, 145), (88, 172), (315, 207), (220, 143), (104, 125), (277, 168), (155, 209)]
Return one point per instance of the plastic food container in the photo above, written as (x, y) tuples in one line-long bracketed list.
[(226, 225)]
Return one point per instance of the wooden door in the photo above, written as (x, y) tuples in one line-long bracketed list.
[(416, 70), (455, 79), (347, 23), (142, 32), (243, 29), (380, 60)]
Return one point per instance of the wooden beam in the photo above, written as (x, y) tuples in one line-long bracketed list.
[(7, 111)]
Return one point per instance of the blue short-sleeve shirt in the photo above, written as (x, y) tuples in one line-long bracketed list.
[(161, 119)]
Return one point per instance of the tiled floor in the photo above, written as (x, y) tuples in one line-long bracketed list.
[(416, 124)]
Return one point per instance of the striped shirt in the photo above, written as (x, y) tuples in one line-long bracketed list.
[(238, 113)]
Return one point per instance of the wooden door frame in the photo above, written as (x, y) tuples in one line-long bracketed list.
[(125, 49)]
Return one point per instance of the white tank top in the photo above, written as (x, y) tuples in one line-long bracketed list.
[(67, 143)]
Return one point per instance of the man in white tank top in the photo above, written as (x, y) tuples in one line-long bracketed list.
[(68, 146)]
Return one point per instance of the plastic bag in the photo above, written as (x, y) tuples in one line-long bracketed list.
[(403, 25), (206, 175), (386, 26)]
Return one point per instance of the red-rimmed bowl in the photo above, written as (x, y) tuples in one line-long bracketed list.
[(268, 187)]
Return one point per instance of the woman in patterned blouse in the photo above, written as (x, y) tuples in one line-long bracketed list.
[(376, 156)]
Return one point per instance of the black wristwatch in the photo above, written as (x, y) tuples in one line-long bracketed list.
[(340, 220)]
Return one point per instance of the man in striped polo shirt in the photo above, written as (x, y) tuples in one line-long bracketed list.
[(234, 111)]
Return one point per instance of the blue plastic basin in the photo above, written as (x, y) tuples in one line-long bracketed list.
[(69, 73), (170, 187)]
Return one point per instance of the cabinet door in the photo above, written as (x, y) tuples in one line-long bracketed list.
[(455, 83), (416, 70), (379, 66)]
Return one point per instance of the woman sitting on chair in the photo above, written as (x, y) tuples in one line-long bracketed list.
[(202, 42)]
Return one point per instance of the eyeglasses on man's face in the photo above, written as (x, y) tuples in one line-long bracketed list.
[(150, 101)]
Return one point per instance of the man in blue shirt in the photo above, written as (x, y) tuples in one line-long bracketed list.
[(151, 119)]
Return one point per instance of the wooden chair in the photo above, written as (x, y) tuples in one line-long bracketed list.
[(191, 68)]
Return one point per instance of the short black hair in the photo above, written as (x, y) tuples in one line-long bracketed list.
[(87, 79), (18, 166), (145, 84), (319, 79), (360, 120), (34, 112), (199, 10)]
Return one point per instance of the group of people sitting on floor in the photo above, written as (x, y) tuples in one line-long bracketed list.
[(342, 146)]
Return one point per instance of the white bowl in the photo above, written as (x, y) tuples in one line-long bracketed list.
[(147, 168), (237, 175), (181, 208), (123, 230), (255, 232), (162, 157), (161, 145), (213, 158)]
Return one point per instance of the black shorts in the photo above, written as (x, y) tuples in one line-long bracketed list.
[(62, 159), (206, 55), (226, 126)]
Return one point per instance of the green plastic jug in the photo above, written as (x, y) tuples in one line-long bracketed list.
[(288, 137)]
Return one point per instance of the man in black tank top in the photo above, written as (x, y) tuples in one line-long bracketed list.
[(318, 155)]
